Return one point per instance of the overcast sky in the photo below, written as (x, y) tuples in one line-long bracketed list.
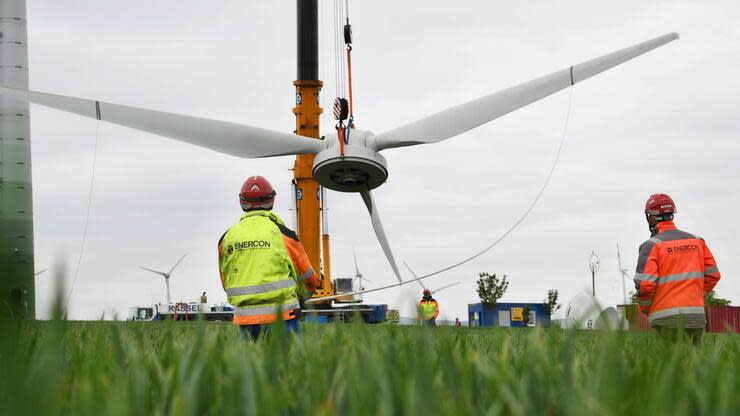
[(664, 122)]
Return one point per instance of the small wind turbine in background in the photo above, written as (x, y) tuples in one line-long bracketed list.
[(623, 274), (166, 276), (358, 274)]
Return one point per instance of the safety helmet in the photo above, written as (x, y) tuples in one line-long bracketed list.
[(427, 292), (659, 205), (256, 193)]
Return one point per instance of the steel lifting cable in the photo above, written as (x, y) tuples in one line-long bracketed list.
[(348, 42), (498, 240), (343, 107), (89, 206), (337, 75)]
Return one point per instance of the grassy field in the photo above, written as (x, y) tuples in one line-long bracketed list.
[(161, 368)]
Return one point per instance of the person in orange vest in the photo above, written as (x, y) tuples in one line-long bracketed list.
[(428, 309), (675, 271), (264, 267)]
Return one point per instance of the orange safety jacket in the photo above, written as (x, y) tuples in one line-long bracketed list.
[(674, 271)]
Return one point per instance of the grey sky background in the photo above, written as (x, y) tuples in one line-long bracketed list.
[(664, 122)]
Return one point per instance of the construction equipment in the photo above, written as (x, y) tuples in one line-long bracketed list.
[(181, 311)]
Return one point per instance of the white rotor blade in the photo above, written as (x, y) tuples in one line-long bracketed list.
[(453, 121), (154, 271), (222, 136), (357, 269), (445, 287), (414, 274), (367, 197), (178, 262)]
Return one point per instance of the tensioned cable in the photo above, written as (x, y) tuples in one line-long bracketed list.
[(337, 92), (340, 49), (534, 202), (89, 206), (498, 240)]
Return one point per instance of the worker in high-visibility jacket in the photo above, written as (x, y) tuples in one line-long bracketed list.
[(263, 265), (675, 271), (428, 309)]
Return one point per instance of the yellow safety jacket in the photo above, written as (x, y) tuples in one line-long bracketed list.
[(261, 263), (428, 309)]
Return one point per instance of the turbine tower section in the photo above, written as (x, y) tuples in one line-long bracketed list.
[(17, 291)]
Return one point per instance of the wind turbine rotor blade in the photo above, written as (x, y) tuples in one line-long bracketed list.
[(367, 197), (456, 120), (222, 136), (414, 274), (445, 287), (154, 271), (178, 262)]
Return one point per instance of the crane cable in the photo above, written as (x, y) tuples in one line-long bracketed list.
[(498, 240), (89, 207), (343, 108)]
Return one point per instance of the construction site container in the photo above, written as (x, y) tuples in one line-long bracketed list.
[(723, 319), (508, 315), (719, 318)]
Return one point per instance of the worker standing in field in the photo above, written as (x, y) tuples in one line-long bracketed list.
[(428, 309), (675, 271), (263, 266)]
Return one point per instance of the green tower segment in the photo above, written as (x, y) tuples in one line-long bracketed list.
[(17, 291)]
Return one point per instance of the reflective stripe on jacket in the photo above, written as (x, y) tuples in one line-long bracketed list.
[(260, 261), (674, 271), (428, 309)]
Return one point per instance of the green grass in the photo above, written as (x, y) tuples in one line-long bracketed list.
[(197, 368)]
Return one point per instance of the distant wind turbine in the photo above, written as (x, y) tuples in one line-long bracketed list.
[(358, 273), (623, 275), (166, 276)]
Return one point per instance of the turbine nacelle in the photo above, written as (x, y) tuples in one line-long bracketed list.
[(360, 168)]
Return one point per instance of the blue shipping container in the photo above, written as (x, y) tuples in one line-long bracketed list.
[(508, 315)]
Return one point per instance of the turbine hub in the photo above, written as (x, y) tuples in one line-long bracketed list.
[(360, 169)]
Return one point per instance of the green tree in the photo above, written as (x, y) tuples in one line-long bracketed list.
[(551, 303), (713, 300), (490, 289)]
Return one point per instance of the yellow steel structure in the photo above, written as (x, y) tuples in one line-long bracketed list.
[(308, 113)]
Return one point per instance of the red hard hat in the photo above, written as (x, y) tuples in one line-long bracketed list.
[(660, 204), (256, 193), (427, 292)]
